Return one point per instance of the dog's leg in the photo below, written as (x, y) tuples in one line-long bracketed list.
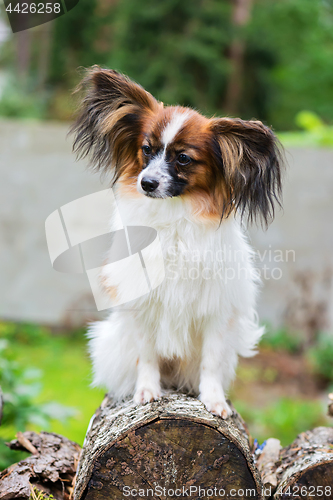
[(148, 385), (217, 368)]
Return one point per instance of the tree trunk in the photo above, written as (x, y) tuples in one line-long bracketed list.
[(23, 53), (240, 17), (45, 38), (304, 469), (170, 444)]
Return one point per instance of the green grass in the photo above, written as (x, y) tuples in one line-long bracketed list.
[(66, 380), (39, 495), (284, 419), (67, 377)]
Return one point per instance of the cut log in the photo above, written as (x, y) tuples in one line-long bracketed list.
[(50, 469), (166, 448), (306, 466), (266, 464)]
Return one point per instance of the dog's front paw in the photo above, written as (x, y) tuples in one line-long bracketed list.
[(217, 407), (144, 395)]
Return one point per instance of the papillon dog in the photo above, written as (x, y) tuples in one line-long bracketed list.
[(195, 180)]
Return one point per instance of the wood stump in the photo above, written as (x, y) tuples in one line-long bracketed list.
[(304, 469), (164, 449)]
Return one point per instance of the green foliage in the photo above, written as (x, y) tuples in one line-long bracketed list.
[(320, 133), (282, 339), (309, 121), (24, 333), (75, 41), (9, 457), (62, 359), (321, 357), (21, 386), (283, 419), (18, 102), (175, 49), (299, 35), (181, 52)]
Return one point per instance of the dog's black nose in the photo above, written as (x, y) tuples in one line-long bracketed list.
[(148, 184)]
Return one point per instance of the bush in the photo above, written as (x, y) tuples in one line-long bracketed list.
[(314, 132), (20, 387), (282, 340), (321, 357), (17, 101), (322, 134), (24, 333)]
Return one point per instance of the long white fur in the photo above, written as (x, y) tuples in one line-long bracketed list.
[(173, 127), (198, 326)]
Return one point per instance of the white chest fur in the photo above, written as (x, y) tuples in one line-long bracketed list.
[(208, 274)]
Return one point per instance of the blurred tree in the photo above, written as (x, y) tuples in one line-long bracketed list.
[(44, 55), (73, 42), (241, 13), (176, 49), (296, 39), (23, 48), (265, 59)]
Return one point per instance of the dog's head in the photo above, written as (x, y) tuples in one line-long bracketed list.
[(220, 164)]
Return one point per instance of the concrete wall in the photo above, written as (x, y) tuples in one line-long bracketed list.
[(302, 237), (39, 174)]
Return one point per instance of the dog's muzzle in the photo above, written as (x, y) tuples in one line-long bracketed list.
[(149, 184)]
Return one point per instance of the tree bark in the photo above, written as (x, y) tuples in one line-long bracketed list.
[(50, 469), (304, 469), (170, 444)]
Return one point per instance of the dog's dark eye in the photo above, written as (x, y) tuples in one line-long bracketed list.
[(146, 150), (183, 159)]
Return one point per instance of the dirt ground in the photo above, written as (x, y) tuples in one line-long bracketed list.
[(274, 374)]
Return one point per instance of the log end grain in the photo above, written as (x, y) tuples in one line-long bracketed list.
[(167, 445)]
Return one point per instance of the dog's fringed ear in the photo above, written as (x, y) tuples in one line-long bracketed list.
[(108, 125), (250, 158)]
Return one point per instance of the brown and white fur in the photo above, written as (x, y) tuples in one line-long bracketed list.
[(194, 179)]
